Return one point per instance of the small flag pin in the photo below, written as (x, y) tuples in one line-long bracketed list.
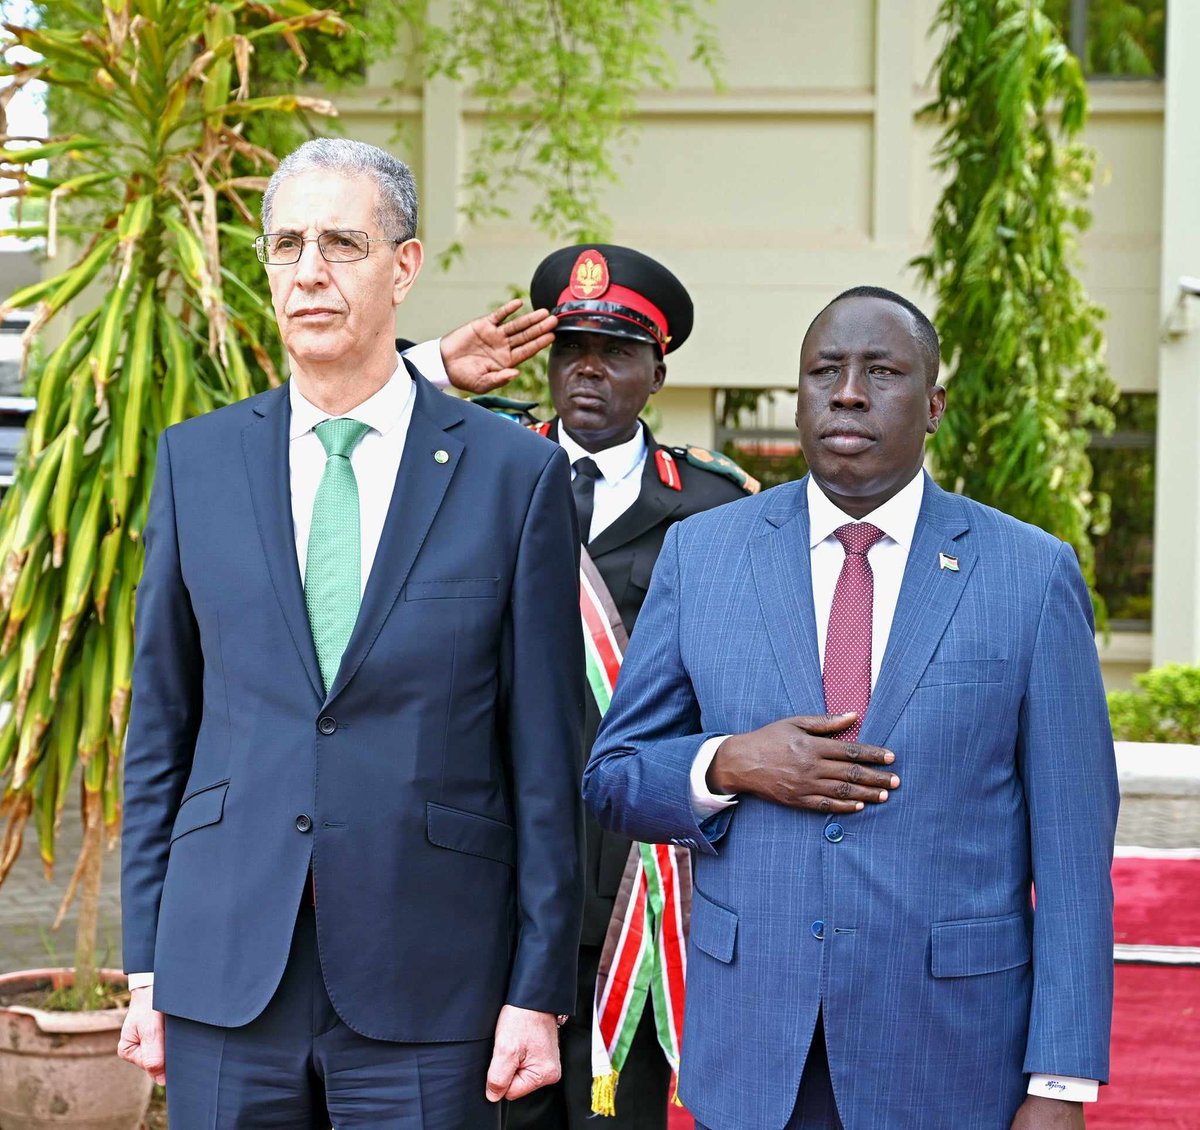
[(440, 456), (945, 561)]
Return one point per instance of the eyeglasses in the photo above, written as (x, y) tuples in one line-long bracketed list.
[(278, 250)]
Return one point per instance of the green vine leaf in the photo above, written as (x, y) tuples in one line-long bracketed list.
[(1021, 339)]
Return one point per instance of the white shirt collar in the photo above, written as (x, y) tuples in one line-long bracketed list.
[(380, 412), (614, 462), (897, 517)]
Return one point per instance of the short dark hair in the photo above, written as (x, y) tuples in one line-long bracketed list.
[(926, 335)]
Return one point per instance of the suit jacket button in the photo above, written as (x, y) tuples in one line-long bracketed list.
[(326, 725), (834, 833), (818, 929), (303, 823)]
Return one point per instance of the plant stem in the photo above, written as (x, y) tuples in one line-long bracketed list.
[(89, 899)]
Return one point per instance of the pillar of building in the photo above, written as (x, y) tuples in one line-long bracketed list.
[(1177, 502)]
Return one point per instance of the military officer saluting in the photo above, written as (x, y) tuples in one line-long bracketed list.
[(619, 314)]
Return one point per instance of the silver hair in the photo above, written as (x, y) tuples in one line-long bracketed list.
[(396, 212)]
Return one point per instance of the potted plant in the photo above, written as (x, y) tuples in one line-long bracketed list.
[(155, 164)]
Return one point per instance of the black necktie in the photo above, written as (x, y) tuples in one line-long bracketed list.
[(583, 486)]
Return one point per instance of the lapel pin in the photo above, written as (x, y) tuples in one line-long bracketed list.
[(440, 456), (945, 561)]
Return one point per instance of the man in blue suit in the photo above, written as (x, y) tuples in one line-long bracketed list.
[(875, 966), (352, 830)]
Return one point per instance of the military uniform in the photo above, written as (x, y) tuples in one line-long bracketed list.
[(624, 553), (644, 302)]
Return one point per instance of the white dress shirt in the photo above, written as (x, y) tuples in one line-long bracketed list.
[(897, 518), (375, 460), (620, 480)]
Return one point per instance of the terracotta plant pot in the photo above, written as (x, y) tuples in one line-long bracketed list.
[(60, 1069)]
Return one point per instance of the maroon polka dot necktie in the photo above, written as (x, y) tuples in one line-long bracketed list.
[(847, 670)]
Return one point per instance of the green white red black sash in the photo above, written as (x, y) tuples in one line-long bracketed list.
[(604, 637), (645, 947)]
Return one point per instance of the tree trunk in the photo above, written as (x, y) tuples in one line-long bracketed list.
[(92, 864)]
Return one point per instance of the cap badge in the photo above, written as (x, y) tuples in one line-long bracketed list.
[(589, 276)]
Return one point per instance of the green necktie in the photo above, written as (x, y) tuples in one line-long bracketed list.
[(333, 564)]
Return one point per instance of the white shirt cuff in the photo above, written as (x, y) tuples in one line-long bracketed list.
[(140, 980), (705, 802), (427, 357), (1065, 1087)]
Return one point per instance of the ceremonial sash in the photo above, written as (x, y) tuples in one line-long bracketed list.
[(645, 946)]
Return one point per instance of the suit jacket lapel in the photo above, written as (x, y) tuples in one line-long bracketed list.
[(929, 595), (655, 502), (265, 447), (782, 567), (421, 485)]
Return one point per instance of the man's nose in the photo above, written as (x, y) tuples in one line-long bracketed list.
[(850, 391), (311, 269), (590, 364)]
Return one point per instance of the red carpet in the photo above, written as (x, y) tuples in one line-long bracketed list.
[(1155, 1051), (1158, 901), (1156, 1007)]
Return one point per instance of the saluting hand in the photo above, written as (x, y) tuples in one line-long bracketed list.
[(484, 354), (791, 762)]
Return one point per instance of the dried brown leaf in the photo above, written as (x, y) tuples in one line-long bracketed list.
[(293, 43), (199, 66), (320, 106), (242, 49), (234, 199), (14, 833)]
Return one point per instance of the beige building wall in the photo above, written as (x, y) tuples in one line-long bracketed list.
[(809, 173)]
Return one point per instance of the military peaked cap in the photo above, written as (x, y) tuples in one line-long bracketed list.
[(605, 289)]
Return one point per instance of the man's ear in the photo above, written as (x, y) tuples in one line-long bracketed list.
[(660, 376), (406, 265), (937, 406)]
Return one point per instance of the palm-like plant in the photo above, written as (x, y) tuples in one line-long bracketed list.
[(159, 328)]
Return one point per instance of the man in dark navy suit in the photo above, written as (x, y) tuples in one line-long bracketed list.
[(351, 875)]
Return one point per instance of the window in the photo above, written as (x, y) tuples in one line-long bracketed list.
[(1114, 38), (1123, 468)]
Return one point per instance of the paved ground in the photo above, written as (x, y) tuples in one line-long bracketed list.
[(1160, 795), (29, 904)]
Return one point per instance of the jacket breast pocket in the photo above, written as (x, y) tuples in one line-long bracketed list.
[(452, 588), (961, 671), (470, 833), (714, 927), (972, 946), (199, 809)]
